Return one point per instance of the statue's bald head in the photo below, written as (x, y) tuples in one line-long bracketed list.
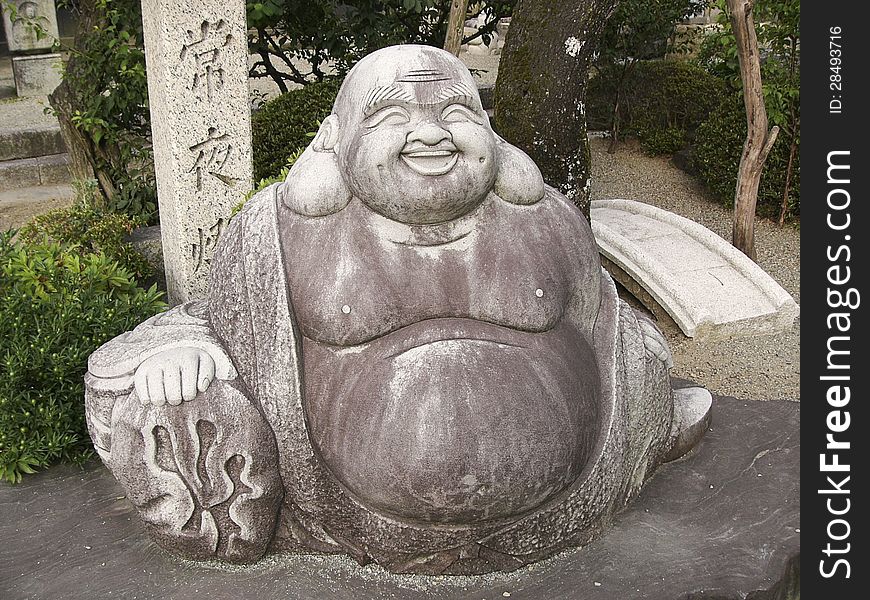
[(410, 73), (411, 140)]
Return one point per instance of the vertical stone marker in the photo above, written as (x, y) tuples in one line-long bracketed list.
[(196, 54)]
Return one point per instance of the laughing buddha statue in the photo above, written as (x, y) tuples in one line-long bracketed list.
[(409, 353)]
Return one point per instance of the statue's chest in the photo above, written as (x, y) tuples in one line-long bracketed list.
[(351, 286)]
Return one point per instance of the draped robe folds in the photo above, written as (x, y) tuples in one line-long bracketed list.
[(255, 482)]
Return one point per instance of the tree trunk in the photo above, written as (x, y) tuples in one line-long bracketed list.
[(627, 67), (81, 149), (614, 125), (758, 139), (541, 89), (456, 26), (64, 101)]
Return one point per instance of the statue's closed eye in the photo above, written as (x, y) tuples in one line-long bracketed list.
[(458, 113), (389, 115)]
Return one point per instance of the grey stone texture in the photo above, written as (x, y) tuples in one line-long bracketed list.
[(70, 533), (31, 27), (36, 75), (708, 287), (196, 55), (29, 141), (28, 172), (19, 205), (146, 241), (409, 354)]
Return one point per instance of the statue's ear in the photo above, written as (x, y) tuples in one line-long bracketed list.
[(519, 181), (327, 135), (314, 187)]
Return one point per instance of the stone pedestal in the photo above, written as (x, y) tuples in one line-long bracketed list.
[(196, 55), (31, 27), (36, 75), (722, 523)]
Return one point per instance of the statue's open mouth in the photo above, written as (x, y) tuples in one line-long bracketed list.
[(431, 160)]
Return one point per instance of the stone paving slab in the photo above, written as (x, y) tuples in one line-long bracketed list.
[(22, 113), (709, 288), (19, 205), (30, 141), (30, 172), (718, 525)]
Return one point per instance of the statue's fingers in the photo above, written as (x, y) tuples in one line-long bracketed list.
[(654, 346), (648, 327), (154, 379), (172, 384), (142, 386), (662, 351), (206, 371), (189, 374)]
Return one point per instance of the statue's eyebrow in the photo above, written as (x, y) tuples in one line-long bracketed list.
[(459, 92), (386, 95)]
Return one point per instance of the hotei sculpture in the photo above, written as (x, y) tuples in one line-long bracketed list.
[(409, 354)]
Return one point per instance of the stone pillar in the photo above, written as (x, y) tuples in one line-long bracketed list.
[(31, 30), (196, 55)]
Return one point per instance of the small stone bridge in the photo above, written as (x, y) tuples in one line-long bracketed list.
[(682, 269)]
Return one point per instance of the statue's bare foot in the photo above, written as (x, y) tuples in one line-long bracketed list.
[(692, 415)]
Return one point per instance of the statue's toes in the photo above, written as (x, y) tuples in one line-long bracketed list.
[(692, 414)]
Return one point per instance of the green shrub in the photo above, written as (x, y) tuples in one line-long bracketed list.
[(777, 24), (94, 230), (264, 183), (718, 146), (284, 124), (662, 102), (104, 98), (309, 40), (57, 305)]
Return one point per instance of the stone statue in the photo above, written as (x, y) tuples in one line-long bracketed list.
[(409, 353)]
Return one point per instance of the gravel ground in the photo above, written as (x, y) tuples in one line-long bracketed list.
[(759, 368)]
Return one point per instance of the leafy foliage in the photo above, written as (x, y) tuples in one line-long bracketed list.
[(108, 95), (313, 40), (662, 102), (643, 29), (778, 30), (718, 146), (266, 182), (94, 230), (286, 123), (640, 30), (57, 305)]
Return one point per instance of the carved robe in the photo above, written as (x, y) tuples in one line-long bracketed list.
[(233, 473)]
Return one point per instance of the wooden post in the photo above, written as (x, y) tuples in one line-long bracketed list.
[(455, 26), (758, 139)]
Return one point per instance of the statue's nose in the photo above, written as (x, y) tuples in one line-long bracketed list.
[(429, 134)]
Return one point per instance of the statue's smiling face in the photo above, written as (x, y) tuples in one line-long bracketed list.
[(419, 149)]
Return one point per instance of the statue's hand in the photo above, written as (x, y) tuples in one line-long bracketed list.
[(655, 341), (174, 375)]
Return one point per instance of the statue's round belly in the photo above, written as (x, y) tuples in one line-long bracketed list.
[(455, 430)]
